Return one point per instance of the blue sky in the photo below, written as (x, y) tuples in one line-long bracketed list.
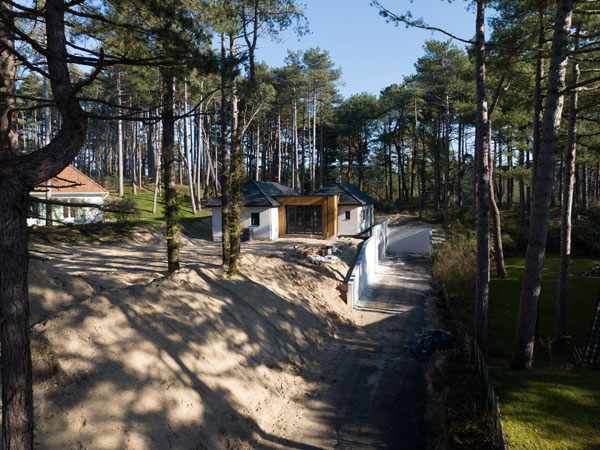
[(372, 53)]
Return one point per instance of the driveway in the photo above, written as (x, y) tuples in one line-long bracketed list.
[(372, 392)]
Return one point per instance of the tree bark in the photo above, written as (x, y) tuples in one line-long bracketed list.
[(542, 192), (186, 149), (538, 97), (119, 140), (19, 174), (560, 326), (483, 187), (236, 176), (498, 250), (169, 180), (224, 156)]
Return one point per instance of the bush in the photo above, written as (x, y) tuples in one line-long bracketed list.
[(386, 206), (121, 209), (454, 269), (509, 246), (586, 233)]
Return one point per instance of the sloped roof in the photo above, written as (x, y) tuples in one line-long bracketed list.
[(71, 180), (259, 193), (349, 195)]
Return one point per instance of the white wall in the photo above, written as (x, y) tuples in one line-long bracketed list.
[(361, 219), (373, 251), (216, 224), (81, 215), (347, 227), (267, 230), (402, 240)]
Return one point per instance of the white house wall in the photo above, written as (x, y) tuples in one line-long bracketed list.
[(361, 219), (347, 227), (83, 215), (268, 219)]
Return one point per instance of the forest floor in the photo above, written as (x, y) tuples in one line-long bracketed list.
[(127, 356)]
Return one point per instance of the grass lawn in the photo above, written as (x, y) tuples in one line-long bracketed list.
[(143, 204), (554, 405)]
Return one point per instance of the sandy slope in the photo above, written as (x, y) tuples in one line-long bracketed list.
[(126, 356)]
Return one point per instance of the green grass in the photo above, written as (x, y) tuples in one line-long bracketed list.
[(144, 200), (554, 405)]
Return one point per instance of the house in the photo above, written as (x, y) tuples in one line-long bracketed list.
[(73, 187), (272, 210), (355, 208)]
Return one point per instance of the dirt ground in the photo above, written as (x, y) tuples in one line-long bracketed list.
[(128, 357)]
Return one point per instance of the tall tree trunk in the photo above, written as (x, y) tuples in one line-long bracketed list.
[(542, 192), (236, 175), (538, 96), (498, 250), (279, 153), (156, 188), (321, 150), (257, 153), (119, 139), (521, 187), (295, 174), (47, 135), (186, 149), (560, 325), (225, 179), (133, 159), (19, 174), (483, 187), (168, 164), (447, 167), (313, 160), (460, 164), (15, 358)]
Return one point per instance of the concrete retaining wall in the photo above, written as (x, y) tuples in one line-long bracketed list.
[(402, 240), (373, 251)]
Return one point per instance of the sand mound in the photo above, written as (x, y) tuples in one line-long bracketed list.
[(189, 360), (52, 289)]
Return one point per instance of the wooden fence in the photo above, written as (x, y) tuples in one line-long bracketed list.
[(477, 359)]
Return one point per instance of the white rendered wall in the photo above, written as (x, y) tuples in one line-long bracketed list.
[(267, 230), (264, 231), (373, 251), (347, 227), (402, 240), (216, 224), (361, 219), (274, 219), (83, 215)]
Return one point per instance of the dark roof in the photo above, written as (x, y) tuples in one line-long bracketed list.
[(259, 193), (349, 195)]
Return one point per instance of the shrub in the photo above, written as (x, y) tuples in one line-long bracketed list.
[(586, 233), (121, 209), (386, 206), (509, 246), (454, 269)]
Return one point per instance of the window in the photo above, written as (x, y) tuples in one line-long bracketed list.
[(303, 219), (347, 217), (255, 219)]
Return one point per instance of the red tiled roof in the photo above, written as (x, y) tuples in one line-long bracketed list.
[(72, 180)]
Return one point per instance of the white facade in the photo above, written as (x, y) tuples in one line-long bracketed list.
[(361, 219), (68, 214), (267, 228)]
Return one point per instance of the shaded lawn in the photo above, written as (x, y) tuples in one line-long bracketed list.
[(549, 407), (144, 200)]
